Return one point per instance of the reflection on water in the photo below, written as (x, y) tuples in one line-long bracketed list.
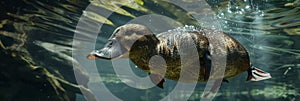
[(268, 29)]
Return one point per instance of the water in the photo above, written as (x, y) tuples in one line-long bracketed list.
[(43, 32)]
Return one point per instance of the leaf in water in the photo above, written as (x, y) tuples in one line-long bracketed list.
[(97, 17), (140, 2), (292, 31), (2, 23), (112, 6), (295, 3)]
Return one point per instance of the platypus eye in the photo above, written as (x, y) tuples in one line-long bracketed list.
[(116, 31)]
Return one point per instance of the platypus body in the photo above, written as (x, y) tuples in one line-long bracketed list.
[(138, 43)]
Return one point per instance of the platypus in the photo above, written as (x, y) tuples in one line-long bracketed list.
[(138, 43)]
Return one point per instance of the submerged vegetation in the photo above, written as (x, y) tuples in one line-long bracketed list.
[(36, 46)]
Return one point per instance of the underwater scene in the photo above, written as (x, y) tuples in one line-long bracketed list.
[(108, 50)]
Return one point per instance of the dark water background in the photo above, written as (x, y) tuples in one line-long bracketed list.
[(268, 29)]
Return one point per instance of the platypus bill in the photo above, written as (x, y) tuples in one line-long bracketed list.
[(138, 43)]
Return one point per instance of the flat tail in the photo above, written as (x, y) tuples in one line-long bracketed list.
[(255, 74)]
